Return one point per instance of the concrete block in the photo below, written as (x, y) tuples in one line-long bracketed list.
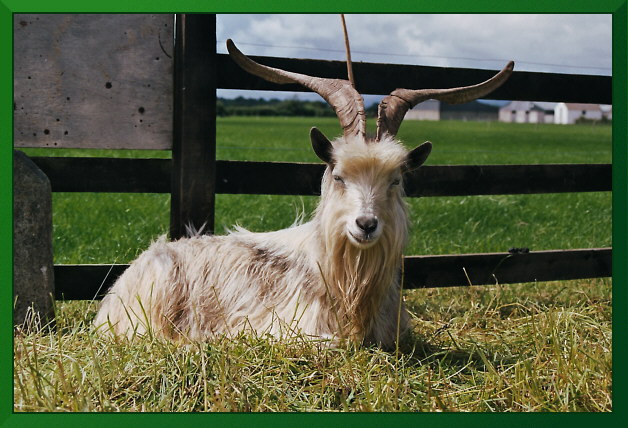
[(33, 276)]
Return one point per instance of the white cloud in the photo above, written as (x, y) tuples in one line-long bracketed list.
[(283, 35), (543, 42), (537, 42)]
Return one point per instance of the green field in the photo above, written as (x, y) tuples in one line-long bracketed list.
[(524, 347)]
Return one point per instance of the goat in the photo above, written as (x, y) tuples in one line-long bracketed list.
[(335, 277)]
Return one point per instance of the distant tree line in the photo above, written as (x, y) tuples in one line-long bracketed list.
[(241, 106)]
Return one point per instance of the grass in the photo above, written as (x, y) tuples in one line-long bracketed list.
[(464, 143), (510, 348), (529, 347)]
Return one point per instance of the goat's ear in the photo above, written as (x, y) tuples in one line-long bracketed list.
[(418, 156), (321, 145)]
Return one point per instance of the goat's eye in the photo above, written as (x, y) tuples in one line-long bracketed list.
[(395, 182), (338, 179)]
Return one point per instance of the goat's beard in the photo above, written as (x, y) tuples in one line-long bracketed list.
[(358, 277)]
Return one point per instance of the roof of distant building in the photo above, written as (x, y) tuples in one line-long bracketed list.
[(580, 107), (529, 106)]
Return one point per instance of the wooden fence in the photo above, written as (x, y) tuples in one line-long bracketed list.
[(193, 176)]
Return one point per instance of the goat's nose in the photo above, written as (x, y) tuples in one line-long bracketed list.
[(367, 223)]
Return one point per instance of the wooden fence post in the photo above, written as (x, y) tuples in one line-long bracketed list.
[(194, 125)]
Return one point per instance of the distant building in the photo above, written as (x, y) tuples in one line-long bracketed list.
[(473, 111), (435, 110), (527, 112), (427, 110), (568, 113), (514, 111)]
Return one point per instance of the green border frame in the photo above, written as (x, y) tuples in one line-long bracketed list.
[(619, 10)]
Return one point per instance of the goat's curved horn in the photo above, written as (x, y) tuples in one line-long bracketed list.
[(339, 93), (392, 109)]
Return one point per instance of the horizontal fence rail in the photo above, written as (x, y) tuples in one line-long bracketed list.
[(86, 282), (381, 79), (506, 268), (244, 177)]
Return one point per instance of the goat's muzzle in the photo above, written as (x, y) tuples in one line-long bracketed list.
[(366, 233)]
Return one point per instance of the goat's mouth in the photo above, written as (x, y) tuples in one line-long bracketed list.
[(362, 240)]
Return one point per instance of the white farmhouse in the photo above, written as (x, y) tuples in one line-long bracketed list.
[(527, 112), (568, 113), (607, 111)]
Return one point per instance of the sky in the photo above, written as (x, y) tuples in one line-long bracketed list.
[(572, 43)]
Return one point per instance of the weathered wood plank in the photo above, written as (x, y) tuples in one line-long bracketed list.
[(235, 177), (372, 78), (84, 282), (506, 268), (93, 80), (194, 136)]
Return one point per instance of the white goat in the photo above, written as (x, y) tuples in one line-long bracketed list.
[(336, 276)]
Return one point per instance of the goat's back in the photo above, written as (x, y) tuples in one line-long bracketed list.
[(208, 285)]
